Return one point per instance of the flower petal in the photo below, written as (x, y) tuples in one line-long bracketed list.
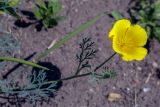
[(116, 44), (119, 28), (128, 40), (137, 53), (135, 36)]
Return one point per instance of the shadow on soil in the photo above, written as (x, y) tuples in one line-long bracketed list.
[(51, 75), (18, 65), (29, 20), (13, 100)]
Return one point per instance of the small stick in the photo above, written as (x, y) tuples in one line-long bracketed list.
[(148, 78), (52, 43)]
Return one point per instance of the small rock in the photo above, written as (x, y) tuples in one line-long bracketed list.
[(100, 49), (158, 83), (113, 88), (146, 90), (128, 89), (124, 74), (91, 90), (63, 6), (139, 68), (113, 97), (76, 10), (155, 65)]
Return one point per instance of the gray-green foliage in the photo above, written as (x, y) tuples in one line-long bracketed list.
[(8, 44), (9, 7), (36, 90), (146, 13), (105, 74), (6, 86), (33, 91), (2, 65), (48, 12)]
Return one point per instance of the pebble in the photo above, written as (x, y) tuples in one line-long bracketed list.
[(128, 89), (146, 90), (113, 97), (139, 68), (113, 88), (124, 74), (63, 6), (91, 90), (155, 65), (76, 10)]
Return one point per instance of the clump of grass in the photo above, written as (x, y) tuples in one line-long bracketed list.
[(47, 13)]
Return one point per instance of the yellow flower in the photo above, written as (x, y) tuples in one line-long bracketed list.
[(129, 40)]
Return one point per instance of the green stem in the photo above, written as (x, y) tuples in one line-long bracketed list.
[(70, 77), (78, 68), (22, 62), (85, 74), (105, 62)]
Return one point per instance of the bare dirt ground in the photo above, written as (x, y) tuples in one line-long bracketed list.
[(133, 77)]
